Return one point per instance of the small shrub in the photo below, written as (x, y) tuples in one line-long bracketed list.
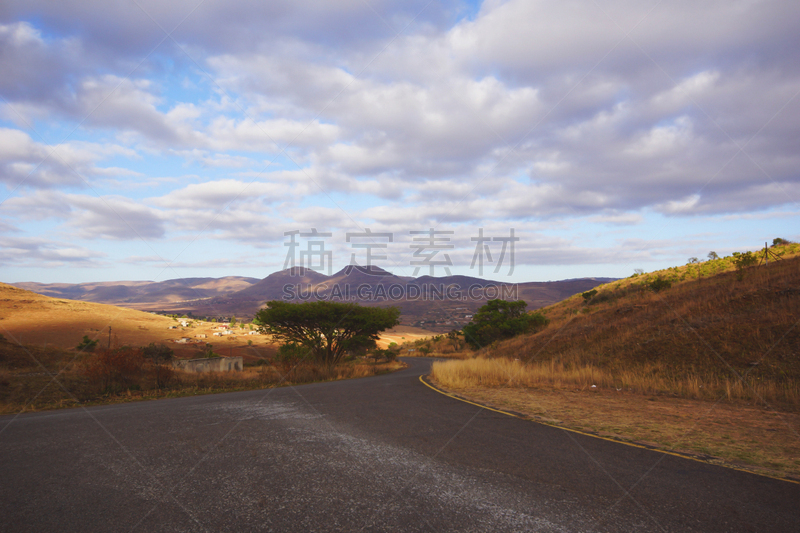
[(588, 295), (87, 344), (159, 353), (659, 284), (292, 353), (114, 369), (163, 375), (743, 261)]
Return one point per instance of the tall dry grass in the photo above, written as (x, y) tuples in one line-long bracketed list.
[(649, 379)]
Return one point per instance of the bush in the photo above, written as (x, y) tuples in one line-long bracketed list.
[(743, 261), (162, 375), (588, 295), (659, 284), (116, 369), (292, 353), (159, 353), (87, 344)]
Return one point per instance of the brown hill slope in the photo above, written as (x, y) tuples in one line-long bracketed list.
[(27, 317), (714, 323)]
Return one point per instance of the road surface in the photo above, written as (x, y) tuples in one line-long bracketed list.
[(375, 454)]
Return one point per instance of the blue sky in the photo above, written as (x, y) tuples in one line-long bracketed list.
[(151, 140)]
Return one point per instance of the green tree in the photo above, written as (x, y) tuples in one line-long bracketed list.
[(327, 330), (712, 256), (500, 319)]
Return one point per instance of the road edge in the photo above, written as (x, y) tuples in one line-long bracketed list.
[(715, 462)]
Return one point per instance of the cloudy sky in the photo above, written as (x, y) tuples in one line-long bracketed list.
[(145, 139)]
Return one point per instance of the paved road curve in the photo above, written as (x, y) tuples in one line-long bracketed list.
[(376, 454)]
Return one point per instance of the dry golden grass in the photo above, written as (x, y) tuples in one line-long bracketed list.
[(648, 379)]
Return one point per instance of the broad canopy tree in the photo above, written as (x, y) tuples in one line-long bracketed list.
[(500, 319), (326, 329)]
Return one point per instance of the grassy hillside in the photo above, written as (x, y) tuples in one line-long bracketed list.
[(708, 330), (28, 317)]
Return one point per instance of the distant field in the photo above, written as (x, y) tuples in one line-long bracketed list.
[(401, 334)]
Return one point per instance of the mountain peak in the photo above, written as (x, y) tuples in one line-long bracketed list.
[(370, 270)]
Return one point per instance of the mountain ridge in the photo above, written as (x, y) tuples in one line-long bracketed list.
[(436, 302)]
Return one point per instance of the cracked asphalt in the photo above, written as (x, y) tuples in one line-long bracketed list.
[(376, 454)]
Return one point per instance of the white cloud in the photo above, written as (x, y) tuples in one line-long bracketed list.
[(25, 162), (114, 218), (42, 253), (527, 113)]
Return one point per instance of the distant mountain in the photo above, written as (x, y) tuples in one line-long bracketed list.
[(128, 293), (441, 303)]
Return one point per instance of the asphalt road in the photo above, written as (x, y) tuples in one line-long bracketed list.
[(375, 454)]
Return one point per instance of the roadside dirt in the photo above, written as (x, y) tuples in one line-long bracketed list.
[(740, 435)]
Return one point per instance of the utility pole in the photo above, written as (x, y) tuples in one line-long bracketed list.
[(109, 337)]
